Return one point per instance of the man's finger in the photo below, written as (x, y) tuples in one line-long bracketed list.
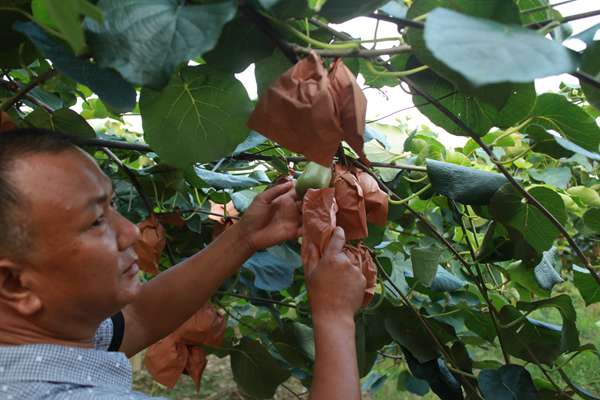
[(274, 192), (336, 243)]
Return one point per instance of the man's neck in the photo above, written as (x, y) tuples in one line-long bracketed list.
[(18, 330)]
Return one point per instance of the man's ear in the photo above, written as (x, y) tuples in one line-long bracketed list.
[(13, 292)]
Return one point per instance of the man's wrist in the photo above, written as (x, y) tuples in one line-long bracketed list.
[(241, 241), (322, 320)]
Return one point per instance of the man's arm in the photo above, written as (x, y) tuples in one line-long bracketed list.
[(335, 291), (175, 295)]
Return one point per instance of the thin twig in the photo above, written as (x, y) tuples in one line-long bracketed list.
[(401, 22), (252, 298), (357, 53), (545, 7), (8, 103)]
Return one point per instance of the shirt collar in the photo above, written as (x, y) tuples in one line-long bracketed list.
[(55, 363)]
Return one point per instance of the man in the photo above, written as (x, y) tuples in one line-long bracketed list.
[(67, 264)]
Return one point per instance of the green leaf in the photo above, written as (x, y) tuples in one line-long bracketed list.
[(463, 184), (407, 330), (586, 195), (63, 120), (106, 83), (395, 8), (199, 116), (508, 207), (16, 50), (436, 374), (545, 272), (374, 80), (591, 219), (254, 370), (425, 262), (222, 180), (488, 52), (269, 69), (509, 382), (525, 277), (445, 281), (342, 10), (232, 54), (518, 107), (529, 339), (564, 305), (480, 323), (146, 41), (556, 112), (501, 11), (558, 176), (474, 113), (586, 284), (273, 268), (407, 382), (64, 15), (316, 4)]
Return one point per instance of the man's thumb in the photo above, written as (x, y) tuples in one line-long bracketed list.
[(336, 243)]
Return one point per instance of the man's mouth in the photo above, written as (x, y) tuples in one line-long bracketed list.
[(133, 269)]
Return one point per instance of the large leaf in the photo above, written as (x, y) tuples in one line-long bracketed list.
[(425, 262), (342, 10), (406, 329), (15, 49), (63, 120), (222, 180), (199, 116), (232, 54), (488, 52), (558, 176), (586, 284), (255, 370), (591, 219), (529, 339), (569, 334), (462, 184), (556, 112), (274, 267), (146, 40), (64, 15), (502, 11), (508, 208), (591, 65), (268, 69), (436, 374), (474, 113), (509, 382), (105, 82)]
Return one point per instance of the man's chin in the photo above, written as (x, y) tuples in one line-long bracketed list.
[(132, 290)]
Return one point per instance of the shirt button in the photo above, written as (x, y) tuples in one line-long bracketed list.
[(4, 388), (38, 359), (79, 358)]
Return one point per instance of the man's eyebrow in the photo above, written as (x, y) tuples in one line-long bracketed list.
[(103, 198)]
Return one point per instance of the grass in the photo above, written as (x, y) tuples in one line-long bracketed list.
[(217, 381)]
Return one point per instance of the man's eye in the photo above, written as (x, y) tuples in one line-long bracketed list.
[(98, 222)]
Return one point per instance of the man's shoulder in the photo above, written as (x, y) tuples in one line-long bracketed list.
[(62, 391)]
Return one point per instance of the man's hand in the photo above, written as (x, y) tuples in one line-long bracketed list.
[(273, 217), (335, 286), (335, 291)]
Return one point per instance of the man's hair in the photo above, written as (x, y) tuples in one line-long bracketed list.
[(16, 144)]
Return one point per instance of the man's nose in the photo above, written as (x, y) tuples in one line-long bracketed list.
[(127, 232)]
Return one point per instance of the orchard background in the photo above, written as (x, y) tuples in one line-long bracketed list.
[(488, 284)]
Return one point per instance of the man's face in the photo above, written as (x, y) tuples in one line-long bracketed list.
[(82, 263)]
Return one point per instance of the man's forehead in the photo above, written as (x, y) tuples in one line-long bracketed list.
[(69, 177)]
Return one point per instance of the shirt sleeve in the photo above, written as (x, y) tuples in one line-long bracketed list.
[(109, 334)]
